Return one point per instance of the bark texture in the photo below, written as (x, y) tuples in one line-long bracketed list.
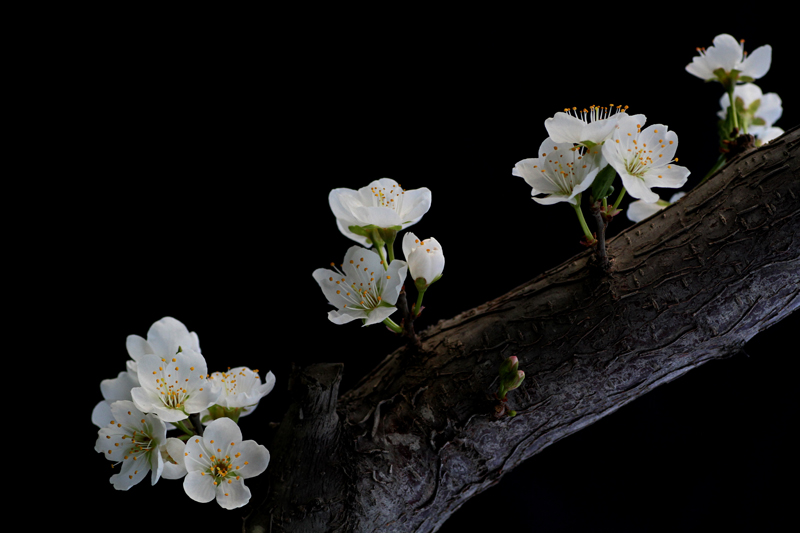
[(420, 435)]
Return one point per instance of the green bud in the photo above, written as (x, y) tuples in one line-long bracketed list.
[(516, 381), (508, 368)]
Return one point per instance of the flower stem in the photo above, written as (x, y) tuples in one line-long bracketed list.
[(733, 109), (619, 198), (584, 226), (392, 326), (180, 425), (418, 305)]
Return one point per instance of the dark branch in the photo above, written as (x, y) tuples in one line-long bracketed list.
[(418, 437)]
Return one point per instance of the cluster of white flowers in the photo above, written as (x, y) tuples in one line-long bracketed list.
[(583, 144), (367, 284), (727, 62), (165, 382)]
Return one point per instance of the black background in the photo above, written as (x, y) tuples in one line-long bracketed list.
[(201, 158)]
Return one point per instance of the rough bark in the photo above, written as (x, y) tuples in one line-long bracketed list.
[(419, 435)]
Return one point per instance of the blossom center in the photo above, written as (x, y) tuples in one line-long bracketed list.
[(364, 292), (172, 394), (391, 197)]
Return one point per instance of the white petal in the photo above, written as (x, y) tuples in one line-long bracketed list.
[(554, 199), (101, 414), (640, 210), (232, 495), (118, 388), (198, 487), (379, 314), (137, 347), (564, 128), (167, 335), (637, 188), (221, 430), (726, 53), (700, 68), (757, 64), (257, 458), (672, 176)]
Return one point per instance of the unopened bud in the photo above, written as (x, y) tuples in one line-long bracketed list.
[(516, 381), (508, 368)]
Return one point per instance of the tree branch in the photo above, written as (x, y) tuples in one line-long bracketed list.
[(417, 437)]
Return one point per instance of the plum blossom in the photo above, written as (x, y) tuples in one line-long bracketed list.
[(640, 210), (363, 289), (727, 62), (757, 111), (644, 158), (561, 171), (587, 127), (424, 257), (135, 439), (381, 204), (239, 389), (219, 462), (173, 386)]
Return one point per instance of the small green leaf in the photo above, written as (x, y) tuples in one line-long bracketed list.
[(754, 106), (602, 182)]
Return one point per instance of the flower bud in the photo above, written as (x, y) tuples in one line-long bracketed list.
[(508, 368), (516, 381), (424, 257)]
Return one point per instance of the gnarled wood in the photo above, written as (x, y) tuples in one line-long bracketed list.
[(418, 436)]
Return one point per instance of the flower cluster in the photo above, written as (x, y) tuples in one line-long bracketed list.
[(368, 284), (586, 149), (745, 109), (166, 385)]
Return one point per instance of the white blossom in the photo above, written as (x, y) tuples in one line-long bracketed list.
[(173, 386), (757, 111), (594, 125), (640, 210), (363, 289), (219, 462), (728, 54), (239, 389), (644, 158), (134, 439), (561, 171), (383, 204), (425, 258)]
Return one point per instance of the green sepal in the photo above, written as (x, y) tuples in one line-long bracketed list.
[(588, 144), (218, 411), (746, 79), (364, 231), (602, 183), (759, 122)]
